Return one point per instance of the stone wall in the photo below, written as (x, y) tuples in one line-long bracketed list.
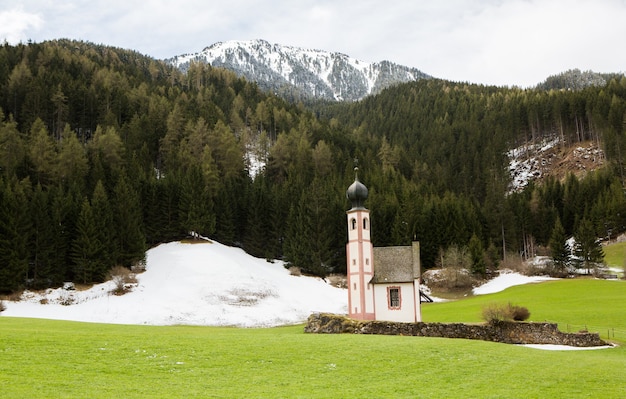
[(509, 332)]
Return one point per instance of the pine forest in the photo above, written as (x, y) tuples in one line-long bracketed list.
[(105, 152)]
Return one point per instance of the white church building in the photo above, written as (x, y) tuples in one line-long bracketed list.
[(383, 282)]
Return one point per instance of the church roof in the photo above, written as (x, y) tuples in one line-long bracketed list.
[(357, 192), (399, 264)]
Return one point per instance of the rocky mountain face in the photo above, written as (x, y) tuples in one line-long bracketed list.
[(299, 73)]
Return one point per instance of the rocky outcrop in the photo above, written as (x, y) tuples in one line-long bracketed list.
[(508, 332)]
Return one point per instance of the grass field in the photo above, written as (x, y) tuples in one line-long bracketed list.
[(42, 359), (615, 255)]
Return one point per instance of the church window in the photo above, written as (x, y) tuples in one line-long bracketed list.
[(393, 296), (353, 223), (355, 286), (365, 223), (367, 261)]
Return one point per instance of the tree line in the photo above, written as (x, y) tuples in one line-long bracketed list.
[(105, 153)]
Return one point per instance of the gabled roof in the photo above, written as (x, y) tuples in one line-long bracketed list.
[(399, 264)]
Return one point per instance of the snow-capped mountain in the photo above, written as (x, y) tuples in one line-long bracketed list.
[(301, 73)]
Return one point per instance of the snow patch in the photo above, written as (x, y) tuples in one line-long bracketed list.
[(505, 280), (194, 284), (549, 347)]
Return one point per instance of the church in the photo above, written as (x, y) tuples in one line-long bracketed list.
[(383, 282)]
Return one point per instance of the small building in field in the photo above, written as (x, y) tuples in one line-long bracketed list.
[(383, 282)]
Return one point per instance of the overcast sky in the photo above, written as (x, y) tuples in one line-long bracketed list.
[(501, 42)]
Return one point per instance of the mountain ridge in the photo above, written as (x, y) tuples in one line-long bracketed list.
[(301, 73)]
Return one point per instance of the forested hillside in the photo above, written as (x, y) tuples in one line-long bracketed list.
[(105, 152)]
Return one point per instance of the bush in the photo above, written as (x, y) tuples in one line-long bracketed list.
[(519, 313), (508, 312), (338, 280), (2, 306), (514, 262), (122, 277)]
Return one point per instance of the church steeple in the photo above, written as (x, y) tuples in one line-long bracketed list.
[(357, 192), (360, 254)]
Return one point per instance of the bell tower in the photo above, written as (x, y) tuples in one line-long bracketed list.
[(359, 254)]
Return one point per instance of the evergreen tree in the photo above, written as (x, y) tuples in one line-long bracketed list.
[(588, 248), (105, 229), (560, 250), (127, 216), (257, 226), (42, 240), (477, 256), (196, 204), (12, 147), (225, 209), (297, 247), (319, 210), (87, 251), (64, 216), (72, 164), (41, 151), (15, 229)]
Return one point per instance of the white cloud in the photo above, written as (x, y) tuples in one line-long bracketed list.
[(512, 42), (15, 23)]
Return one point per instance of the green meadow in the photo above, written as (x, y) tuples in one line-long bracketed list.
[(615, 255), (44, 358)]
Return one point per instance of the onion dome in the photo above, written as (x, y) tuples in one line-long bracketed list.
[(357, 192)]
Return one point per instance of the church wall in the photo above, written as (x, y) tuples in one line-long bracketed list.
[(405, 312), (359, 253)]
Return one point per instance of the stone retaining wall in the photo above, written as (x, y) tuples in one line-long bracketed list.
[(508, 332)]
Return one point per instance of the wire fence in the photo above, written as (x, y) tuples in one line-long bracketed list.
[(605, 332)]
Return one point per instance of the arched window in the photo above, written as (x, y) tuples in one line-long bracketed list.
[(353, 223), (365, 223)]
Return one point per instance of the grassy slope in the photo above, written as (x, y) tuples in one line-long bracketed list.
[(41, 358), (615, 255), (573, 304)]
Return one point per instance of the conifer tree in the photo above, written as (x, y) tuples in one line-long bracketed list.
[(257, 226), (196, 204), (42, 245), (588, 248), (15, 229), (63, 221), (129, 237), (12, 147), (72, 164), (477, 255), (87, 250), (225, 205), (560, 250), (297, 247), (41, 151), (105, 230)]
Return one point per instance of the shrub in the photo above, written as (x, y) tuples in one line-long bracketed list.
[(2, 306), (122, 277), (338, 280), (519, 313), (295, 271), (514, 262), (508, 312)]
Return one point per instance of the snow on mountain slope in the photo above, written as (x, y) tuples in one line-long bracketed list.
[(549, 157), (195, 284), (313, 73)]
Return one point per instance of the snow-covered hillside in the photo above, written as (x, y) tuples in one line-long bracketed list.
[(195, 284), (312, 73)]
